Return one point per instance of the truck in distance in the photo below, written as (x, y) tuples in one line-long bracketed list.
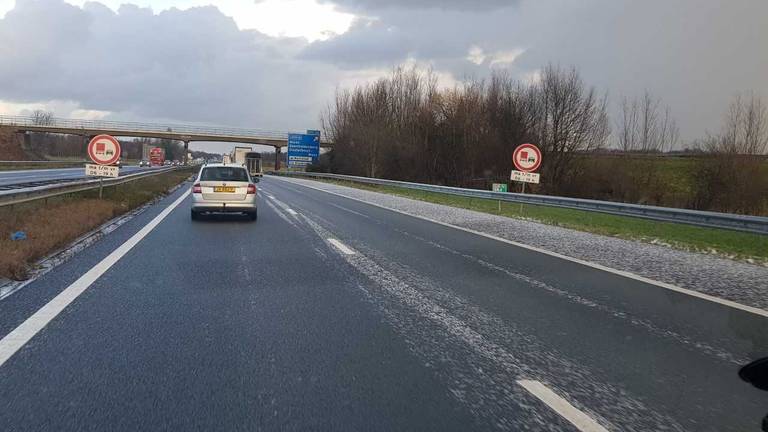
[(157, 156), (253, 164), (238, 154)]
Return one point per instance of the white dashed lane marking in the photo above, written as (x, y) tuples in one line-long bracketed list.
[(561, 406), (341, 246)]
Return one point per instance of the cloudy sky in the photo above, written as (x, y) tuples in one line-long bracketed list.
[(274, 64)]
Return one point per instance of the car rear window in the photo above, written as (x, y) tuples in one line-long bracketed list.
[(224, 174)]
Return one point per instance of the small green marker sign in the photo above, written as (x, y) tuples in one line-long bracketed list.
[(500, 187)]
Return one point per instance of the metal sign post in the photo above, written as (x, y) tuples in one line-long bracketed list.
[(527, 159), (104, 150), (499, 187)]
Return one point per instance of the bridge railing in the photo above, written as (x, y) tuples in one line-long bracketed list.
[(122, 126)]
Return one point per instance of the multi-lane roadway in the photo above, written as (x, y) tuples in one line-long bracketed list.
[(20, 177), (332, 314)]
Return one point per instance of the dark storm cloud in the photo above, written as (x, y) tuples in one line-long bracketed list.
[(462, 5), (191, 65), (366, 44), (694, 54), (196, 65), (398, 35)]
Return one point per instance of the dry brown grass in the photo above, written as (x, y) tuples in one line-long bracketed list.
[(10, 146), (47, 229), (56, 224)]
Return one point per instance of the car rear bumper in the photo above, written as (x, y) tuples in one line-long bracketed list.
[(224, 208), (246, 206)]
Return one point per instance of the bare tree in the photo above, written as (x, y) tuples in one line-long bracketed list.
[(745, 130), (565, 118), (42, 118), (732, 179), (645, 127), (404, 127)]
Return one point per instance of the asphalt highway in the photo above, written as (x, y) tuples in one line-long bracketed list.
[(332, 314), (8, 178)]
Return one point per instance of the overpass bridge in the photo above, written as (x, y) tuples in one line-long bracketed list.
[(185, 133)]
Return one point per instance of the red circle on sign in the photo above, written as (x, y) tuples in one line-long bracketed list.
[(92, 152), (518, 151)]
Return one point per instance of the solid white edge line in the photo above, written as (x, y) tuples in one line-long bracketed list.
[(626, 274), (341, 246), (561, 406), (17, 338)]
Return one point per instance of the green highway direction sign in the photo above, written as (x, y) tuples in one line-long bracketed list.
[(500, 187)]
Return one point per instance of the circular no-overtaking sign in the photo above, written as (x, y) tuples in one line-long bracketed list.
[(104, 150), (527, 157)]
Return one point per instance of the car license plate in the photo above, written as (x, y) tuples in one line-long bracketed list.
[(230, 189)]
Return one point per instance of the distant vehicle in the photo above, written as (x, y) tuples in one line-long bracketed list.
[(119, 163), (226, 159), (168, 163), (221, 188), (239, 153), (143, 163), (157, 156), (253, 164)]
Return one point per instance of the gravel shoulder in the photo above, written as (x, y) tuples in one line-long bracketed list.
[(737, 281)]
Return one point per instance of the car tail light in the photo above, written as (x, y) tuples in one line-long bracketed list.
[(251, 189), (197, 189)]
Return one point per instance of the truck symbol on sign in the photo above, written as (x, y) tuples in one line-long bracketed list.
[(524, 157), (100, 147)]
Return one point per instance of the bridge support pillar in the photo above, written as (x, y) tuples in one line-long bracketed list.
[(278, 150), (186, 152), (85, 141)]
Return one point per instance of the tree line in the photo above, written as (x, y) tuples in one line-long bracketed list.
[(405, 127)]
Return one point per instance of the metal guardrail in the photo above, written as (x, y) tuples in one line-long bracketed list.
[(18, 162), (753, 224), (67, 187)]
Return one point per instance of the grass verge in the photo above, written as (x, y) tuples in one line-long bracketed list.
[(52, 225), (732, 244)]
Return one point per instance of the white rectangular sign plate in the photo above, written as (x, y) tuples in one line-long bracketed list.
[(526, 177), (93, 170)]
